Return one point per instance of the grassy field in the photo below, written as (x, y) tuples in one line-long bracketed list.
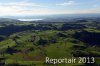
[(30, 53)]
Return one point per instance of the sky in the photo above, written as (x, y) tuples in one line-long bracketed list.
[(45, 7)]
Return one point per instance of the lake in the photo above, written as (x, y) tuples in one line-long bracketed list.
[(30, 19)]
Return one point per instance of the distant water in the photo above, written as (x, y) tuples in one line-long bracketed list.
[(30, 19)]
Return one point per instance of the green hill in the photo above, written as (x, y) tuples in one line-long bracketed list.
[(34, 42)]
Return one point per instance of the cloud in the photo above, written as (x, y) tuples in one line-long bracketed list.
[(18, 8), (50, 11), (92, 10), (67, 3), (16, 11), (21, 4), (30, 8), (95, 5)]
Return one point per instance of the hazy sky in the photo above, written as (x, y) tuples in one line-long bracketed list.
[(38, 7)]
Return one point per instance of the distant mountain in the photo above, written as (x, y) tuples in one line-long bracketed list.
[(8, 20), (54, 18)]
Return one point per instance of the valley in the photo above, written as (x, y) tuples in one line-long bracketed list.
[(28, 43)]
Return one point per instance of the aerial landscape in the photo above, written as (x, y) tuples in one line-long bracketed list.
[(49, 33)]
